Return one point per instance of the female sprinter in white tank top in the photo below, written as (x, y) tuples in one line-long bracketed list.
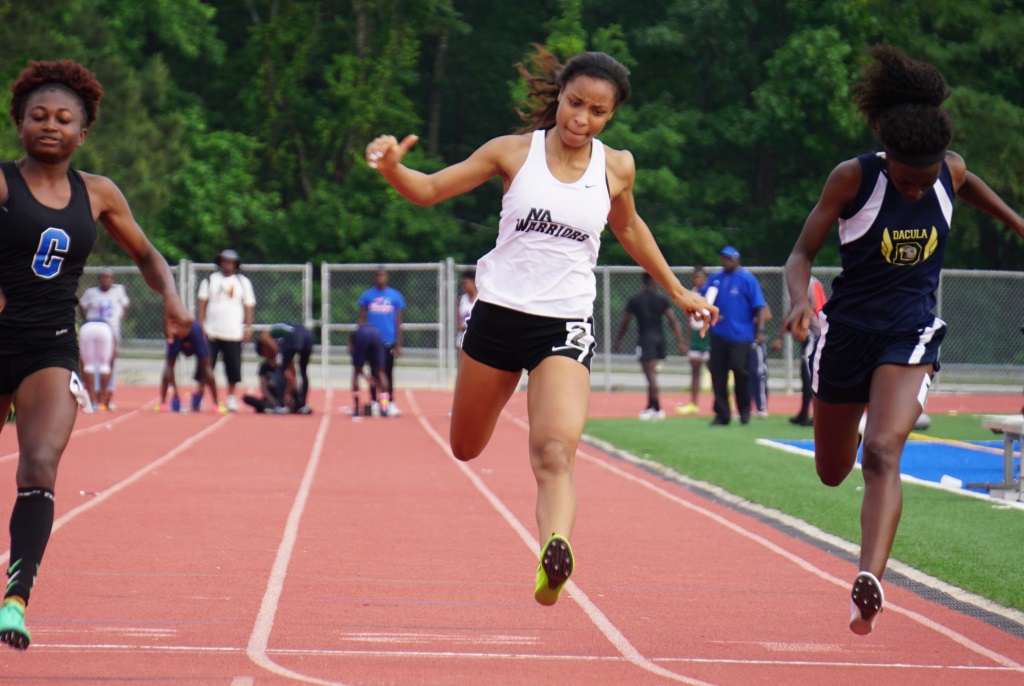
[(537, 287)]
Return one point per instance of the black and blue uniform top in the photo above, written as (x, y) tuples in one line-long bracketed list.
[(42, 254), (892, 250)]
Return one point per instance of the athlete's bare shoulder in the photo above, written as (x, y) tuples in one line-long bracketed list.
[(104, 195), (508, 153), (621, 168)]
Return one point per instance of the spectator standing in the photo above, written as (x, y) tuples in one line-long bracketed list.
[(648, 307), (106, 302), (740, 302), (698, 351), (466, 301), (757, 364), (227, 304), (382, 307), (96, 349), (817, 298)]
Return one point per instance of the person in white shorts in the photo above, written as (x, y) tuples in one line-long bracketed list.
[(107, 302), (96, 345)]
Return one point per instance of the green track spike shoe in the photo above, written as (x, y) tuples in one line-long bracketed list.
[(12, 625), (554, 569)]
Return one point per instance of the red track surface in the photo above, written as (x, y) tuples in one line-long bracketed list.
[(250, 550)]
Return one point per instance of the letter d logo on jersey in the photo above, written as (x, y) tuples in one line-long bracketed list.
[(904, 248)]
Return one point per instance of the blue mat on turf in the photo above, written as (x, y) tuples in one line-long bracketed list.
[(930, 461)]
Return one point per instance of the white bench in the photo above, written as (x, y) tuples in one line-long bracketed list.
[(1011, 428)]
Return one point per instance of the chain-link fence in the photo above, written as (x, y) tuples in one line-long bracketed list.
[(284, 293), (984, 350), (427, 349)]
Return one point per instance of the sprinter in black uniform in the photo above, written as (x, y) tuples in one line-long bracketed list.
[(47, 230), (879, 342)]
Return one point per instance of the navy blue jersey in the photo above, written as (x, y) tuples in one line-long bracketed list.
[(42, 254), (892, 251)]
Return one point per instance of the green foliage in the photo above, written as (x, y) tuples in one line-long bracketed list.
[(216, 200), (244, 122)]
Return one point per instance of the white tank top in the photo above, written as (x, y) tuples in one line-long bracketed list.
[(548, 239)]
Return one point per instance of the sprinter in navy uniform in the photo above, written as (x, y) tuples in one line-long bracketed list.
[(47, 215), (879, 343)]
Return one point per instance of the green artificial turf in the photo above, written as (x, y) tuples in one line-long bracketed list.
[(974, 544)]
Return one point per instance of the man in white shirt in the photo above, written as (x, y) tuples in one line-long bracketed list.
[(108, 302), (227, 303)]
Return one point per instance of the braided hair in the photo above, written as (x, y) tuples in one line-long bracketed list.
[(900, 98), (545, 77), (64, 75)]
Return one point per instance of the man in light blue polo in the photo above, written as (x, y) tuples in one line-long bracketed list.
[(741, 306), (381, 306)]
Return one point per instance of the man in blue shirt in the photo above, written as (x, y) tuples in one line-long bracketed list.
[(381, 306), (741, 306)]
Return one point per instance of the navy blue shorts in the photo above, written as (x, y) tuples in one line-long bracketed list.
[(192, 344), (844, 358), (513, 341), (17, 367), (368, 346)]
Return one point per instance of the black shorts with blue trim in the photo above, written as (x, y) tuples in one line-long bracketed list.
[(15, 368), (513, 341), (845, 357)]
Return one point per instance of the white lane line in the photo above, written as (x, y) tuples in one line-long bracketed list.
[(949, 633), (260, 637), (501, 657), (906, 478), (125, 483), (604, 625), (88, 430), (243, 681), (834, 541)]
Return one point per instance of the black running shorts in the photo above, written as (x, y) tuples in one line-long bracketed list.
[(512, 340)]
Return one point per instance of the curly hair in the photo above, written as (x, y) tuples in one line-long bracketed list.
[(65, 75), (900, 98), (545, 77)]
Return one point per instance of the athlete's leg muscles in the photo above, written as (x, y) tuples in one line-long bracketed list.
[(481, 392), (650, 368), (46, 416), (558, 397), (894, 407), (835, 439), (696, 364)]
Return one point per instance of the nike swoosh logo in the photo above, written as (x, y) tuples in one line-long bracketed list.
[(590, 185)]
